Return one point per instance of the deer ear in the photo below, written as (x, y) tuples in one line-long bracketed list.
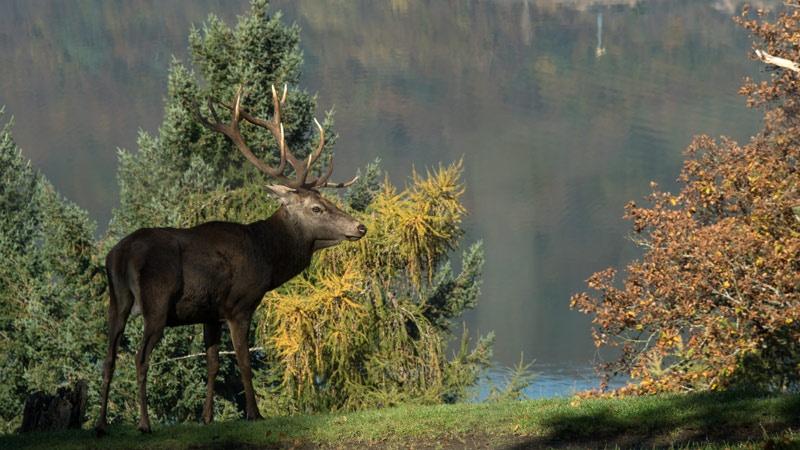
[(281, 191)]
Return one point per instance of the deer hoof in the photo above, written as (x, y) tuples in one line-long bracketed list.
[(256, 416)]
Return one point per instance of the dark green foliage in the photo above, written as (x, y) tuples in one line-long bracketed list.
[(50, 286), (258, 53), (451, 296), (366, 188), (18, 184)]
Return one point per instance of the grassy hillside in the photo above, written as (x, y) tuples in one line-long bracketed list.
[(710, 420)]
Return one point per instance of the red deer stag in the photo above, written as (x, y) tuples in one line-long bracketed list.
[(220, 271)]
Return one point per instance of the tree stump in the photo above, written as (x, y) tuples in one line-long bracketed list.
[(65, 409)]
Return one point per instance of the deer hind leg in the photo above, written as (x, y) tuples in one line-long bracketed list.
[(152, 334), (239, 335), (152, 291), (119, 308), (211, 337)]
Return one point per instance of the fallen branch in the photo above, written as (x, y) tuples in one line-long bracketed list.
[(777, 61), (195, 355)]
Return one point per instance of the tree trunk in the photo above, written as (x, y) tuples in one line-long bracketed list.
[(45, 412)]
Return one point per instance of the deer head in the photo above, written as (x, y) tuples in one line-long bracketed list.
[(317, 218)]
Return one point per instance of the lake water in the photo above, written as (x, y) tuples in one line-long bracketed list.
[(563, 110)]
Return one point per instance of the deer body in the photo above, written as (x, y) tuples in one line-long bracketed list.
[(210, 272), (219, 271)]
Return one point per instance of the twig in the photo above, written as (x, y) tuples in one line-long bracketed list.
[(777, 61), (195, 355)]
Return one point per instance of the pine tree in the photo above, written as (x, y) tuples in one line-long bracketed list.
[(50, 290)]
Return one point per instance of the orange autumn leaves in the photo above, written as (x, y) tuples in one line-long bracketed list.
[(715, 299)]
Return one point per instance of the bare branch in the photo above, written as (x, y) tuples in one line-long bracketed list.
[(197, 355), (777, 61)]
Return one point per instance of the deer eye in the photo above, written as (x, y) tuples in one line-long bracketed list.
[(316, 209)]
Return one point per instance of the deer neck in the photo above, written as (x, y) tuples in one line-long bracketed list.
[(284, 244)]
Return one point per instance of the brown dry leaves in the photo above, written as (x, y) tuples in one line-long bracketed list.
[(719, 283)]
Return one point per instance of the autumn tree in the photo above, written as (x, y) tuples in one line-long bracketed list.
[(714, 301)]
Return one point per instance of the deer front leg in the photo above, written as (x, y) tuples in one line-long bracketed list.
[(211, 336), (239, 334)]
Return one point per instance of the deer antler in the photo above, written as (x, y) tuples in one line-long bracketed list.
[(275, 127), (234, 134)]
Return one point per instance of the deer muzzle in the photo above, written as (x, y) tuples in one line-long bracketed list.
[(361, 231)]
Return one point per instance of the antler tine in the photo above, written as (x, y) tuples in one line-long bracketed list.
[(276, 106), (234, 134), (314, 155), (237, 108), (282, 146), (276, 124), (340, 185), (322, 182), (312, 158), (275, 127)]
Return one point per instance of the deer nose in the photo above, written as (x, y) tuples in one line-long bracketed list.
[(362, 229)]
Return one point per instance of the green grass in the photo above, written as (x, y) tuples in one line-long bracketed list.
[(709, 420)]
